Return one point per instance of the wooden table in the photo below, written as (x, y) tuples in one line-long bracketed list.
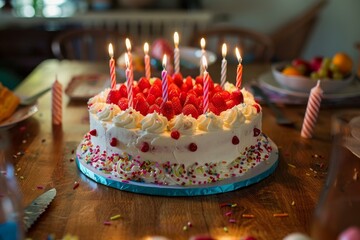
[(48, 157)]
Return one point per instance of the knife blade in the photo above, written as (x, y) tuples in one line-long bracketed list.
[(37, 207)]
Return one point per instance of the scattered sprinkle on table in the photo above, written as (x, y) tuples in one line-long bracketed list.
[(280, 215), (226, 229), (231, 220), (291, 165), (185, 228), (248, 216), (293, 203), (107, 223), (228, 213), (115, 217), (76, 185)]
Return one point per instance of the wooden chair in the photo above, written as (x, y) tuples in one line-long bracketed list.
[(86, 44), (253, 46)]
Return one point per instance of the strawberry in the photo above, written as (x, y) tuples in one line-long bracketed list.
[(167, 110), (155, 90), (144, 147), (150, 99), (136, 90), (230, 103), (225, 95), (211, 84), (190, 109), (176, 105), (198, 89), (178, 79), (154, 108), (192, 91), (237, 96), (189, 81), (201, 104), (123, 103), (182, 97), (159, 101), (191, 99), (123, 90), (185, 87), (169, 79), (199, 80), (218, 101), (214, 109), (140, 95), (144, 83), (141, 105), (217, 88), (174, 92), (175, 134), (145, 92), (258, 108), (113, 96), (157, 82)]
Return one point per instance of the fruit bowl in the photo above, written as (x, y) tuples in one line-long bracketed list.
[(300, 83)]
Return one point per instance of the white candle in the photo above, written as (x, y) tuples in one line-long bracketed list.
[(112, 67), (203, 54), (176, 53), (223, 65), (147, 61)]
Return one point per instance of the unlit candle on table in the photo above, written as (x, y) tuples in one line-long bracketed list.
[(56, 105), (312, 110)]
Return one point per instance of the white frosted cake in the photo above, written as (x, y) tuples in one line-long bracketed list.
[(174, 143)]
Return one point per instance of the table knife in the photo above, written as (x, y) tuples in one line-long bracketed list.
[(37, 207)]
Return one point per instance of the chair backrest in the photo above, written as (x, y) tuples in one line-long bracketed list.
[(86, 44), (253, 46)]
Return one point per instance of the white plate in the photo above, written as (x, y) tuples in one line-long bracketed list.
[(193, 55), (21, 113), (268, 81)]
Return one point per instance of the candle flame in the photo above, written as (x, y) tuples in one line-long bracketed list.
[(204, 62), (111, 50), (127, 61), (176, 39), (202, 43), (146, 48), (128, 44), (164, 61), (224, 50), (238, 56)]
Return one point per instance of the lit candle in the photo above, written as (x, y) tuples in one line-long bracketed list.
[(164, 80), (223, 65), (312, 111), (203, 54), (176, 53), (56, 104), (147, 61), (129, 81), (206, 85), (239, 69), (112, 67), (128, 47)]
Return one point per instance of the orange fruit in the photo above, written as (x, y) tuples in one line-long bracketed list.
[(291, 71), (343, 62)]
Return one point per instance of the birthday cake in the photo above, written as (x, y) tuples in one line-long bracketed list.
[(174, 142)]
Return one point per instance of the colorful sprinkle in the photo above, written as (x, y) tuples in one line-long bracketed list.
[(185, 228), (231, 220), (226, 229), (40, 187), (76, 185), (145, 147), (233, 205), (291, 165), (107, 223), (189, 224), (235, 140), (228, 213), (247, 216), (192, 147), (115, 217), (113, 142), (175, 134), (225, 204)]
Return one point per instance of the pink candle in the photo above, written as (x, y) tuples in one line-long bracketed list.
[(164, 81), (176, 53), (129, 81), (147, 61), (239, 69), (223, 65), (128, 47), (112, 67), (206, 85), (56, 104), (312, 111), (203, 54)]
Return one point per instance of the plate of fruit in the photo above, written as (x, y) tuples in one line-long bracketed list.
[(334, 73)]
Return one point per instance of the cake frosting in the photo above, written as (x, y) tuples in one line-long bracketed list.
[(149, 143)]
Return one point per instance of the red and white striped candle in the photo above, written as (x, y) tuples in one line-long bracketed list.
[(239, 69), (129, 81), (164, 80), (223, 65), (203, 54), (176, 53), (147, 61), (112, 67), (206, 85), (56, 103), (312, 111)]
